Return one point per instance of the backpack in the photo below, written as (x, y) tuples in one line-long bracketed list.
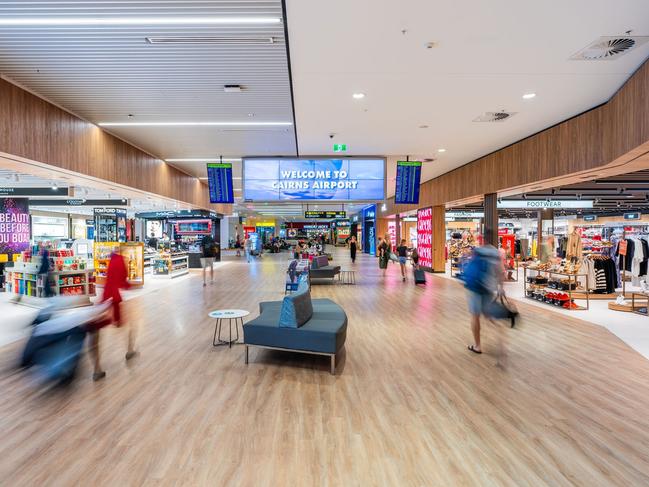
[(476, 273)]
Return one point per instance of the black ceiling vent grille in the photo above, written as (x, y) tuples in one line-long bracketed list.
[(500, 116), (609, 48)]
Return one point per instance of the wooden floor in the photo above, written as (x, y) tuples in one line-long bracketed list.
[(553, 402)]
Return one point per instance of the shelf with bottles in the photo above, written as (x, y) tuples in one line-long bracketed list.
[(170, 264), (133, 254)]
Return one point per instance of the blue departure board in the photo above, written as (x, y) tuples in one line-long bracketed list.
[(408, 180), (219, 179)]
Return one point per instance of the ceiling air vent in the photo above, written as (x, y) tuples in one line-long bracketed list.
[(494, 116), (608, 48), (210, 40)]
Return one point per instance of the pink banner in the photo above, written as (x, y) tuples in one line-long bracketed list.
[(425, 237)]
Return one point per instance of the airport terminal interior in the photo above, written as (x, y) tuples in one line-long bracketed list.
[(342, 243)]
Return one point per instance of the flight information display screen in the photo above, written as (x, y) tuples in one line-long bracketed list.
[(408, 181), (219, 179)]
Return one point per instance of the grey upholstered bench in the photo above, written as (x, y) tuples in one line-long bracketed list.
[(323, 333)]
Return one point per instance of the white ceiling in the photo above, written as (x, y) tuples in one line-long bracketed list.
[(105, 73), (489, 54)]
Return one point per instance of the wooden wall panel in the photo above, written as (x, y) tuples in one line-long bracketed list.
[(34, 129), (438, 231), (611, 132)]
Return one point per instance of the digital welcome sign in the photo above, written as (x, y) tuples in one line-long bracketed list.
[(286, 179)]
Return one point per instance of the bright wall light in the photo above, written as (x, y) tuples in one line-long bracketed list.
[(529, 96), (194, 124), (358, 96), (205, 159), (174, 20)]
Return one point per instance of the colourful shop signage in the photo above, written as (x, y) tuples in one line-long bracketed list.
[(14, 225), (425, 237)]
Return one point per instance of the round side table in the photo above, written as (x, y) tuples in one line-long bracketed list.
[(231, 315)]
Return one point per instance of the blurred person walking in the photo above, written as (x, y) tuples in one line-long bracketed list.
[(208, 247), (402, 253), (44, 271), (352, 248), (383, 254), (483, 276), (247, 247), (116, 279)]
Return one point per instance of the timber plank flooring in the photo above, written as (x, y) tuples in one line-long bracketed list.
[(564, 404)]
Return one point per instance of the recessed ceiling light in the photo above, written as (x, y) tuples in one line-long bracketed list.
[(166, 20), (358, 96), (54, 186), (441, 150), (194, 124), (529, 96)]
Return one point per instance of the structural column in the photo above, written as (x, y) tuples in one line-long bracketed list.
[(438, 230), (490, 234), (545, 220)]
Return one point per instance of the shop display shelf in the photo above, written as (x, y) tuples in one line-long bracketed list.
[(71, 285), (578, 308), (572, 278)]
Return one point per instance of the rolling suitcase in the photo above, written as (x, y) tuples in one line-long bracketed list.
[(420, 277)]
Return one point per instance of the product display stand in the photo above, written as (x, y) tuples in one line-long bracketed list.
[(639, 303), (540, 292), (23, 281), (171, 265), (133, 253)]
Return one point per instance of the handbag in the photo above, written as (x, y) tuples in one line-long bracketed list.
[(502, 308), (393, 257)]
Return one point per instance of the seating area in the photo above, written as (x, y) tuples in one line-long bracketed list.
[(320, 269), (299, 324)]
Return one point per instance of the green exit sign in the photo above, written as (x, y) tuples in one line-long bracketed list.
[(340, 147)]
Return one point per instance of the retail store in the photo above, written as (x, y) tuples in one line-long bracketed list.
[(570, 246)]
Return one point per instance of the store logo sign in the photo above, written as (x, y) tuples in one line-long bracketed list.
[(543, 204)]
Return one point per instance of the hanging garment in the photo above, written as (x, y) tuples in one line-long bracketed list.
[(573, 247), (645, 250), (626, 264)]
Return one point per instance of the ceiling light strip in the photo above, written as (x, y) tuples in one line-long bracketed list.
[(97, 21), (195, 124)]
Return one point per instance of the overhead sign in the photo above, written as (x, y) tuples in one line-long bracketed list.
[(14, 225), (465, 214), (340, 147), (634, 215), (590, 218), (287, 179), (157, 215), (79, 202), (110, 211), (543, 204), (407, 183), (425, 237), (5, 191), (219, 181), (325, 214)]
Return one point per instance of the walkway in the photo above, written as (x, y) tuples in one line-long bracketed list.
[(410, 406)]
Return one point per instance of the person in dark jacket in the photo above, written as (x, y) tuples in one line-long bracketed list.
[(352, 248), (208, 246)]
